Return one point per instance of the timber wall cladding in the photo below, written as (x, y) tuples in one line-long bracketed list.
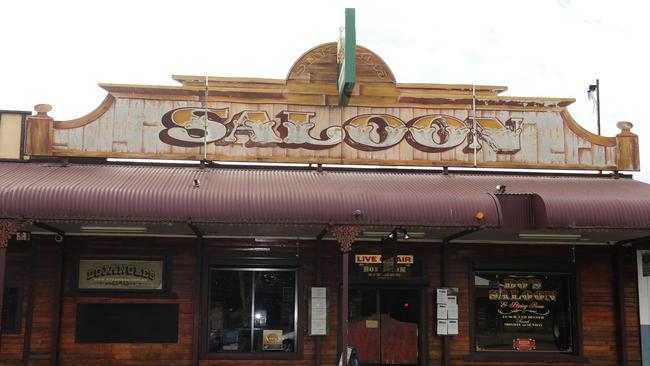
[(510, 138), (184, 265), (597, 301)]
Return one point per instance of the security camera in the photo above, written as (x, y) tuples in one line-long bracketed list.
[(58, 238), (357, 214)]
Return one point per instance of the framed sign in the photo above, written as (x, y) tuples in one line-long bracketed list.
[(121, 274), (517, 311)]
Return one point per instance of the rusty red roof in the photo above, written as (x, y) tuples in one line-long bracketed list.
[(279, 195)]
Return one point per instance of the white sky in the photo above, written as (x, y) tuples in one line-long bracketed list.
[(56, 52)]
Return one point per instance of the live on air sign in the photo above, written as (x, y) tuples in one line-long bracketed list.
[(376, 259)]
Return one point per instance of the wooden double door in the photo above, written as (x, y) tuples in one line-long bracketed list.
[(385, 325)]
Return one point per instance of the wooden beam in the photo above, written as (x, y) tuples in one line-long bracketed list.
[(29, 316), (198, 294), (58, 299)]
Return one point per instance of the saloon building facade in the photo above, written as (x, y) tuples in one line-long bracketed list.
[(224, 262)]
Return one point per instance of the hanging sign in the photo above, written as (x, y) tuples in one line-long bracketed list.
[(371, 266)]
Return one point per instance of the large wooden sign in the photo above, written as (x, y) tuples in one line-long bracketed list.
[(120, 275), (299, 120)]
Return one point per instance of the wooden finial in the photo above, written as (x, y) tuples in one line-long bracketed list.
[(42, 109), (625, 126)]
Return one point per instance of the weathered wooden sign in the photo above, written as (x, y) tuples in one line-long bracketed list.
[(298, 120), (120, 275)]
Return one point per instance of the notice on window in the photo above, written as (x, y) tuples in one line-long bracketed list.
[(272, 339), (442, 327), (318, 311), (452, 299), (441, 297), (452, 327), (442, 311), (452, 311)]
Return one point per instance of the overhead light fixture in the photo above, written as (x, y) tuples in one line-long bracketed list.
[(387, 234), (540, 236), (114, 229), (251, 249)]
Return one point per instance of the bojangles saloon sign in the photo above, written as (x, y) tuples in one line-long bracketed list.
[(120, 275), (523, 312)]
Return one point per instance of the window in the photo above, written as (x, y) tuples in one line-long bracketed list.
[(521, 311), (252, 311), (11, 310)]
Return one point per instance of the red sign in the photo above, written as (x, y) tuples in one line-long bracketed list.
[(523, 344)]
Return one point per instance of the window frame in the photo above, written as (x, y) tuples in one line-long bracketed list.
[(253, 265), (537, 266)]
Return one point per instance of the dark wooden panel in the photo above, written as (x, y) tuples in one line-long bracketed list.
[(127, 323)]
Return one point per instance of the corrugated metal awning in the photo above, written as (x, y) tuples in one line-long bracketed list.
[(79, 192)]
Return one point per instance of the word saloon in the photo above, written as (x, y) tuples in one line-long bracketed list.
[(190, 127)]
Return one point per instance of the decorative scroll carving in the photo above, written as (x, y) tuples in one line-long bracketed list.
[(9, 227), (346, 235)]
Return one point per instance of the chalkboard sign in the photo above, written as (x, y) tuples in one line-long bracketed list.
[(127, 323)]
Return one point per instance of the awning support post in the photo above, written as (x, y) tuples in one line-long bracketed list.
[(198, 295), (444, 278), (619, 283), (318, 264), (345, 235), (58, 303)]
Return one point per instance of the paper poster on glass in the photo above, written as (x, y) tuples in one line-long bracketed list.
[(272, 339)]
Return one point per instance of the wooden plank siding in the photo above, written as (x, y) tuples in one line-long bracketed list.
[(595, 277)]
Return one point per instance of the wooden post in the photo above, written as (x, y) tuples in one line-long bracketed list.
[(444, 282), (345, 235), (39, 131), (198, 287), (318, 259), (29, 317), (58, 305), (627, 144), (619, 284)]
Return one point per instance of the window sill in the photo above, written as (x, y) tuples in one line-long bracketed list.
[(251, 356), (528, 357), (11, 332)]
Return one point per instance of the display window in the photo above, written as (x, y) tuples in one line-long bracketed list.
[(252, 310), (524, 312)]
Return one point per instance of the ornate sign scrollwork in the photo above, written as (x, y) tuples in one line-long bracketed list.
[(9, 227), (346, 235)]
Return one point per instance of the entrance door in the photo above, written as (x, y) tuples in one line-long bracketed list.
[(384, 325)]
